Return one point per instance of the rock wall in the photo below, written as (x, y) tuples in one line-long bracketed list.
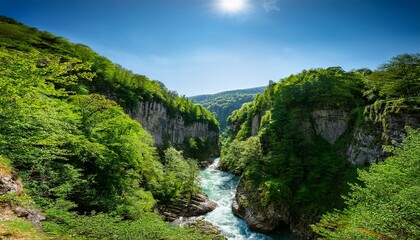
[(155, 118), (330, 123), (365, 147), (367, 140), (247, 205), (255, 125)]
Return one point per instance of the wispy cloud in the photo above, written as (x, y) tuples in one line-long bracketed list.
[(270, 5)]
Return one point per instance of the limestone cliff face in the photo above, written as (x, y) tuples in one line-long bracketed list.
[(367, 140), (330, 123), (156, 120), (366, 146), (255, 125)]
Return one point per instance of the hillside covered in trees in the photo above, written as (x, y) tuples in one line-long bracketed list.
[(297, 141), (93, 171), (224, 103)]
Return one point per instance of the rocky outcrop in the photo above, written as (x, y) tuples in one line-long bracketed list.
[(367, 140), (199, 204), (365, 147), (255, 125), (247, 205), (155, 118), (330, 123), (199, 222), (11, 184), (266, 219)]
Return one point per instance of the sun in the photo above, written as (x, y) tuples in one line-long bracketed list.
[(232, 6)]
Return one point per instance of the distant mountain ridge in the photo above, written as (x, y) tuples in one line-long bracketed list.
[(204, 97), (224, 103)]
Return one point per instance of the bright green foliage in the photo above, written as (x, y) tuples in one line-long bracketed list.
[(240, 154), (75, 149), (394, 88), (21, 229), (400, 77), (180, 175), (387, 203), (109, 79), (103, 226), (300, 169)]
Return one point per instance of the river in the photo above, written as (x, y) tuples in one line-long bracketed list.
[(221, 187)]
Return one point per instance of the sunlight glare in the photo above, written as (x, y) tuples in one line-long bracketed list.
[(232, 6)]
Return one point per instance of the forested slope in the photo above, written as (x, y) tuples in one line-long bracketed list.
[(297, 141), (92, 170), (224, 103)]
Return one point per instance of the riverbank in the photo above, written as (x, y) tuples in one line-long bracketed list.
[(221, 187)]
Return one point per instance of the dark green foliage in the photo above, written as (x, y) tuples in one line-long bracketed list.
[(387, 203), (200, 148), (287, 163), (300, 169)]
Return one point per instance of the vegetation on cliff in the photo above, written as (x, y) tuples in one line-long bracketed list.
[(275, 145), (65, 132), (386, 205), (224, 103)]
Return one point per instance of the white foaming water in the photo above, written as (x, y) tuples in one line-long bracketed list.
[(221, 187)]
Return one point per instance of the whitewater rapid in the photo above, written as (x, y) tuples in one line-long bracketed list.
[(221, 187)]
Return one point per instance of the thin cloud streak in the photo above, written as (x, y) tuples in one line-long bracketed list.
[(271, 5)]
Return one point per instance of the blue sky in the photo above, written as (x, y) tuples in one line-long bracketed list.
[(196, 47)]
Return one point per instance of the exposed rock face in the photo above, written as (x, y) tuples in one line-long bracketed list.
[(330, 123), (247, 205), (199, 204), (11, 184), (366, 145), (255, 125), (156, 120)]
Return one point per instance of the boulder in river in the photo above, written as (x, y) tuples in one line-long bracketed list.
[(199, 204)]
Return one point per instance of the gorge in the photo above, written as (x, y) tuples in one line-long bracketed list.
[(91, 150)]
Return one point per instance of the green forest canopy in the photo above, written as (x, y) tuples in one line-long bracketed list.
[(65, 132)]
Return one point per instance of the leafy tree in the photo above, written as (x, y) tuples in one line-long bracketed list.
[(400, 77), (386, 205), (180, 175)]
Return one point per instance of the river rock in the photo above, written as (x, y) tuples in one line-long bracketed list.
[(199, 222), (199, 204)]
